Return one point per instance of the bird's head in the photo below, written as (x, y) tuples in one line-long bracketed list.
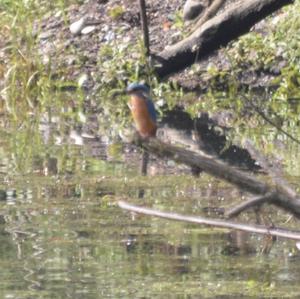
[(138, 88)]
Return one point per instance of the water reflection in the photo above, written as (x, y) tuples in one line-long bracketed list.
[(62, 235), (84, 248)]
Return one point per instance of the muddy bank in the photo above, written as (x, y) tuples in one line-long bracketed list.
[(116, 24)]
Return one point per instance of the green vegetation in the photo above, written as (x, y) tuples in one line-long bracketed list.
[(30, 89), (273, 53), (27, 86), (116, 12)]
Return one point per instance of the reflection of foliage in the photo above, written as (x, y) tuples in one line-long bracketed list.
[(67, 231)]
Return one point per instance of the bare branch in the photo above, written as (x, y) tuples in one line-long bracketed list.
[(259, 229), (145, 29), (144, 162)]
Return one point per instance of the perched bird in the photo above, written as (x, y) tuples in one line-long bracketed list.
[(142, 109), (144, 116)]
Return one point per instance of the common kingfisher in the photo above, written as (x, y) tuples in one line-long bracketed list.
[(142, 109)]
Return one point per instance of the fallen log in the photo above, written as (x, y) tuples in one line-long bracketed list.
[(217, 32), (276, 195)]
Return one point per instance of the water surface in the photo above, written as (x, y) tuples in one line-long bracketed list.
[(63, 235)]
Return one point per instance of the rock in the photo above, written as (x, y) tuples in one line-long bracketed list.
[(109, 36), (83, 26), (77, 26), (76, 138), (82, 80), (194, 8), (88, 29)]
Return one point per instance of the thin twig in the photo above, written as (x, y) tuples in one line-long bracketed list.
[(259, 229), (145, 26)]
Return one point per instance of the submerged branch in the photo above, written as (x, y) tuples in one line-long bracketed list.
[(259, 229)]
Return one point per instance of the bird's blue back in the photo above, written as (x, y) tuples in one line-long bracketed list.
[(151, 109)]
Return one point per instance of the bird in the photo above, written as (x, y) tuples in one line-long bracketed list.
[(144, 116), (142, 109)]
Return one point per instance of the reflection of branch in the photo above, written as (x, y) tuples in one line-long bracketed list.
[(274, 172), (259, 229), (272, 123), (235, 211)]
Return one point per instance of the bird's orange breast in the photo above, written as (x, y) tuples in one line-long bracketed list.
[(143, 121)]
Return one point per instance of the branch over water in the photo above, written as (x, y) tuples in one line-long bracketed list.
[(259, 229)]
